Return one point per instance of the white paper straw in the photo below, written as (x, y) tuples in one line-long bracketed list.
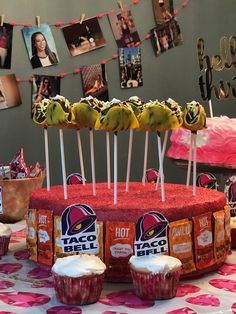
[(145, 158), (92, 161), (63, 164), (162, 155), (108, 160), (115, 169), (131, 132), (194, 162), (81, 156), (161, 168), (47, 158), (210, 108), (189, 160)]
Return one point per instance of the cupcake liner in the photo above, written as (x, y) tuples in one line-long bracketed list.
[(155, 286), (78, 290), (4, 244)]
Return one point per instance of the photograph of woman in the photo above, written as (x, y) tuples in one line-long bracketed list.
[(5, 46), (40, 45), (94, 81)]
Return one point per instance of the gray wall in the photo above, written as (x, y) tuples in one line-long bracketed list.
[(173, 74)]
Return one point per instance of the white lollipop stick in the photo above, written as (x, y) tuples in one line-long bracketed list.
[(189, 160), (194, 162), (210, 108), (115, 168), (108, 160), (145, 158), (162, 155), (131, 132), (81, 156), (92, 161), (47, 158), (161, 168), (63, 164)]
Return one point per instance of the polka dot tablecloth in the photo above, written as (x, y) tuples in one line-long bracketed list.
[(26, 287)]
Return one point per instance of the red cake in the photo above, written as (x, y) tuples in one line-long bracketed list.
[(180, 204)]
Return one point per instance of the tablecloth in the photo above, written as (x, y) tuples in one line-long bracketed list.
[(26, 287)]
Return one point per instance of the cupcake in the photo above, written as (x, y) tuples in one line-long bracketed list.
[(5, 235), (78, 279), (155, 277), (233, 232)]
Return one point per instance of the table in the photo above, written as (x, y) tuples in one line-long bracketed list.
[(26, 287)]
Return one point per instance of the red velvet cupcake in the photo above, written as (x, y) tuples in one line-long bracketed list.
[(78, 279), (5, 235), (155, 277)]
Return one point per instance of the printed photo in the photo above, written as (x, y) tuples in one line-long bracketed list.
[(166, 36), (5, 45), (81, 38), (163, 10), (130, 67), (40, 45), (9, 92), (44, 87), (123, 28), (94, 81)]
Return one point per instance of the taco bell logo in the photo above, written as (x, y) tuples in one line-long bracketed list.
[(151, 234), (79, 229)]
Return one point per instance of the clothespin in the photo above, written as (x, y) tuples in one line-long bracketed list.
[(121, 5), (38, 20), (2, 19), (82, 18)]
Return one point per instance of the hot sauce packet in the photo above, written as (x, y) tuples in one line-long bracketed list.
[(5, 172), (31, 234), (203, 241), (219, 236), (181, 244), (100, 240), (227, 229), (119, 241), (45, 236), (35, 171)]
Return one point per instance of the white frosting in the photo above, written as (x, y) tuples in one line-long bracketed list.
[(233, 223), (78, 265), (5, 230), (156, 263), (135, 98), (115, 101)]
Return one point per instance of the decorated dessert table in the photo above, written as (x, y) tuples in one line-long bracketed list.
[(27, 287)]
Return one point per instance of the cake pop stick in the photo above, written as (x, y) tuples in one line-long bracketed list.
[(189, 160), (108, 160), (92, 161), (210, 108), (194, 162), (129, 159), (162, 155), (63, 164), (161, 167), (81, 156), (145, 158), (47, 158), (115, 167)]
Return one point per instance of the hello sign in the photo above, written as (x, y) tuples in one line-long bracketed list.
[(225, 60)]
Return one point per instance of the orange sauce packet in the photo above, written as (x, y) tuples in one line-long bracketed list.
[(31, 234), (219, 236), (181, 244), (100, 240), (203, 241), (119, 241), (227, 229), (45, 234)]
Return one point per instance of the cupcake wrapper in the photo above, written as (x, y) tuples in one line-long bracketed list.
[(4, 244), (155, 286), (233, 238), (80, 290)]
